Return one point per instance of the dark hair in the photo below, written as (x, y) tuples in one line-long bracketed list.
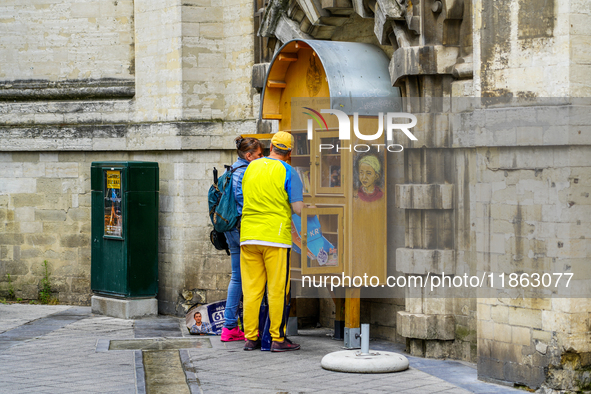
[(195, 314), (247, 145), (281, 152)]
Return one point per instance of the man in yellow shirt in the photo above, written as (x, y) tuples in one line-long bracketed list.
[(271, 189)]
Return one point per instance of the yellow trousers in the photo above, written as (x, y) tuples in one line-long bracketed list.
[(259, 265)]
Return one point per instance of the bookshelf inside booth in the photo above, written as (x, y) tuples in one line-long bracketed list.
[(322, 238), (300, 159), (329, 162)]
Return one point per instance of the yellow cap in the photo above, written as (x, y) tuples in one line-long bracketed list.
[(282, 140)]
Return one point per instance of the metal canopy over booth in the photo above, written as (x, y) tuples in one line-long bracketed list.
[(304, 77)]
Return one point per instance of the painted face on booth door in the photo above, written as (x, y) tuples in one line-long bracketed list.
[(367, 176)]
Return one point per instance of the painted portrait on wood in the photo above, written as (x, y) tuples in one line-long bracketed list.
[(368, 176)]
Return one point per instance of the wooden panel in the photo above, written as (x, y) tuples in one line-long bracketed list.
[(369, 204), (271, 102), (272, 116), (259, 136), (304, 78), (352, 308)]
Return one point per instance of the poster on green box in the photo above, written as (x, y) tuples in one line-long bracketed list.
[(113, 209)]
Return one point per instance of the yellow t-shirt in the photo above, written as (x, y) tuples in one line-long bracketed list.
[(269, 186)]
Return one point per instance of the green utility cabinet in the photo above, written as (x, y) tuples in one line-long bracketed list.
[(124, 256)]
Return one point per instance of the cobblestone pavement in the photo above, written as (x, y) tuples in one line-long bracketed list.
[(61, 349)]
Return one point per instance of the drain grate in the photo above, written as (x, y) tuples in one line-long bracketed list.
[(160, 344)]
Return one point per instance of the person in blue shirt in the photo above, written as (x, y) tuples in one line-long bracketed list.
[(248, 149)]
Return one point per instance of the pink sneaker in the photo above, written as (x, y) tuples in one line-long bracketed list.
[(233, 334)]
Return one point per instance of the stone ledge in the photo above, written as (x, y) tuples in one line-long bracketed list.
[(129, 137), (426, 60), (423, 261), (421, 326), (24, 90)]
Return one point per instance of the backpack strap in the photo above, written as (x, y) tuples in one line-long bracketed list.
[(229, 168), (232, 171)]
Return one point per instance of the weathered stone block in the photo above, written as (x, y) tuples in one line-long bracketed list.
[(386, 12), (40, 239), (485, 329), (15, 266), (26, 292), (124, 309), (382, 314), (24, 214), (530, 375), (416, 196), (11, 239), (61, 170), (29, 227), (416, 347), (50, 215), (259, 72), (502, 332), (438, 349), (18, 185), (521, 336), (525, 317), (423, 261), (506, 352), (79, 214), (441, 61), (422, 326), (75, 240)]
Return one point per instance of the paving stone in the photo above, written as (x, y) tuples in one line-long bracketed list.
[(62, 357)]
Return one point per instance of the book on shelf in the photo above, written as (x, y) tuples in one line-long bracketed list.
[(301, 144), (304, 173)]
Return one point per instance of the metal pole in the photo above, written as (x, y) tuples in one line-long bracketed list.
[(365, 339)]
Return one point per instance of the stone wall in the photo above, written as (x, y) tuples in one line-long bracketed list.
[(580, 40), (533, 216), (531, 211), (46, 215), (178, 95), (66, 40), (176, 89)]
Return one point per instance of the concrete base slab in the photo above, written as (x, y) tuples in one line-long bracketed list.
[(124, 308), (374, 362)]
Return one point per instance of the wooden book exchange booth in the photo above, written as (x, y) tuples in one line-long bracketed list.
[(345, 179)]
